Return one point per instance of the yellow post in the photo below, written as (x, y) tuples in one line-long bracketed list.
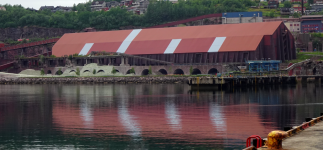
[(275, 139)]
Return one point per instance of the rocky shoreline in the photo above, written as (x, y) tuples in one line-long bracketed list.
[(94, 80)]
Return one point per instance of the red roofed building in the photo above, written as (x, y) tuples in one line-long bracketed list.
[(192, 44)]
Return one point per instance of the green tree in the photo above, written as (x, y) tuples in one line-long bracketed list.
[(74, 8), (310, 1), (296, 15), (113, 71), (59, 72), (94, 71), (158, 12), (307, 6), (41, 59), (150, 71), (42, 72), (77, 71), (132, 70), (287, 4)]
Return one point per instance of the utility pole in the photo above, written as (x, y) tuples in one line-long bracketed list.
[(302, 7)]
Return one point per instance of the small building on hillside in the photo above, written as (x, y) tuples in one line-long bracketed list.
[(126, 2), (273, 4), (241, 17), (312, 23), (298, 1), (143, 4), (317, 7), (106, 9), (98, 5), (3, 9), (293, 24), (112, 4), (62, 9), (139, 8), (318, 1), (286, 11), (51, 8), (298, 8)]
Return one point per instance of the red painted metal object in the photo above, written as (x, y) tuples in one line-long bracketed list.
[(306, 125), (259, 140), (28, 44), (10, 64), (5, 66)]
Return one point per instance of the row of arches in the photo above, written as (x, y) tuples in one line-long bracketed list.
[(195, 71)]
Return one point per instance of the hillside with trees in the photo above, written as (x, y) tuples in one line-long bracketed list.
[(158, 12)]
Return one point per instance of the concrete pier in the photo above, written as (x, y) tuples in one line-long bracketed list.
[(310, 139)]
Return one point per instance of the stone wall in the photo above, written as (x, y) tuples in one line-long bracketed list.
[(96, 80), (32, 32)]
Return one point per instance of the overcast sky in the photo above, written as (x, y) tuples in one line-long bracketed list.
[(37, 3)]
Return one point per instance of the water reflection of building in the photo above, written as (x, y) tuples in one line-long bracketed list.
[(164, 111), (158, 111)]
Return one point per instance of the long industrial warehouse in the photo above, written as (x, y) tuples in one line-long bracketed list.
[(187, 45)]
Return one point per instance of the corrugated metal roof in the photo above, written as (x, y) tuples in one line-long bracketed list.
[(191, 39)]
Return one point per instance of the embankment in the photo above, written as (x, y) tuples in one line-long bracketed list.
[(91, 80)]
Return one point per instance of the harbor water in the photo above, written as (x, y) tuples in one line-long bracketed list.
[(149, 116)]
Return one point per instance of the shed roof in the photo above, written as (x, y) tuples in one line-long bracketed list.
[(191, 39)]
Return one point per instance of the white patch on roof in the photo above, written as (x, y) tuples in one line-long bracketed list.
[(217, 43), (125, 44), (172, 46), (86, 48)]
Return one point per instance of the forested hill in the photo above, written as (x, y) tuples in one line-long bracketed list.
[(158, 12)]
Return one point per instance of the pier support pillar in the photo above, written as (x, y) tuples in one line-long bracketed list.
[(304, 79)]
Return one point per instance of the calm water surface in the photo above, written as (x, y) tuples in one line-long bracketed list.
[(148, 116)]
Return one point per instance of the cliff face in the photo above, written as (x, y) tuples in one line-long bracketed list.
[(32, 32)]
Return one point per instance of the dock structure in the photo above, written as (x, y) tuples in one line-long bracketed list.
[(240, 81)]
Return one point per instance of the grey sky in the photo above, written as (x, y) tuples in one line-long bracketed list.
[(37, 3)]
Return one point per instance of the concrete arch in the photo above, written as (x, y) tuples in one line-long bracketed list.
[(196, 71), (162, 71), (86, 71), (213, 71), (59, 72), (72, 71), (49, 72), (145, 72), (128, 72), (101, 71), (179, 72)]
